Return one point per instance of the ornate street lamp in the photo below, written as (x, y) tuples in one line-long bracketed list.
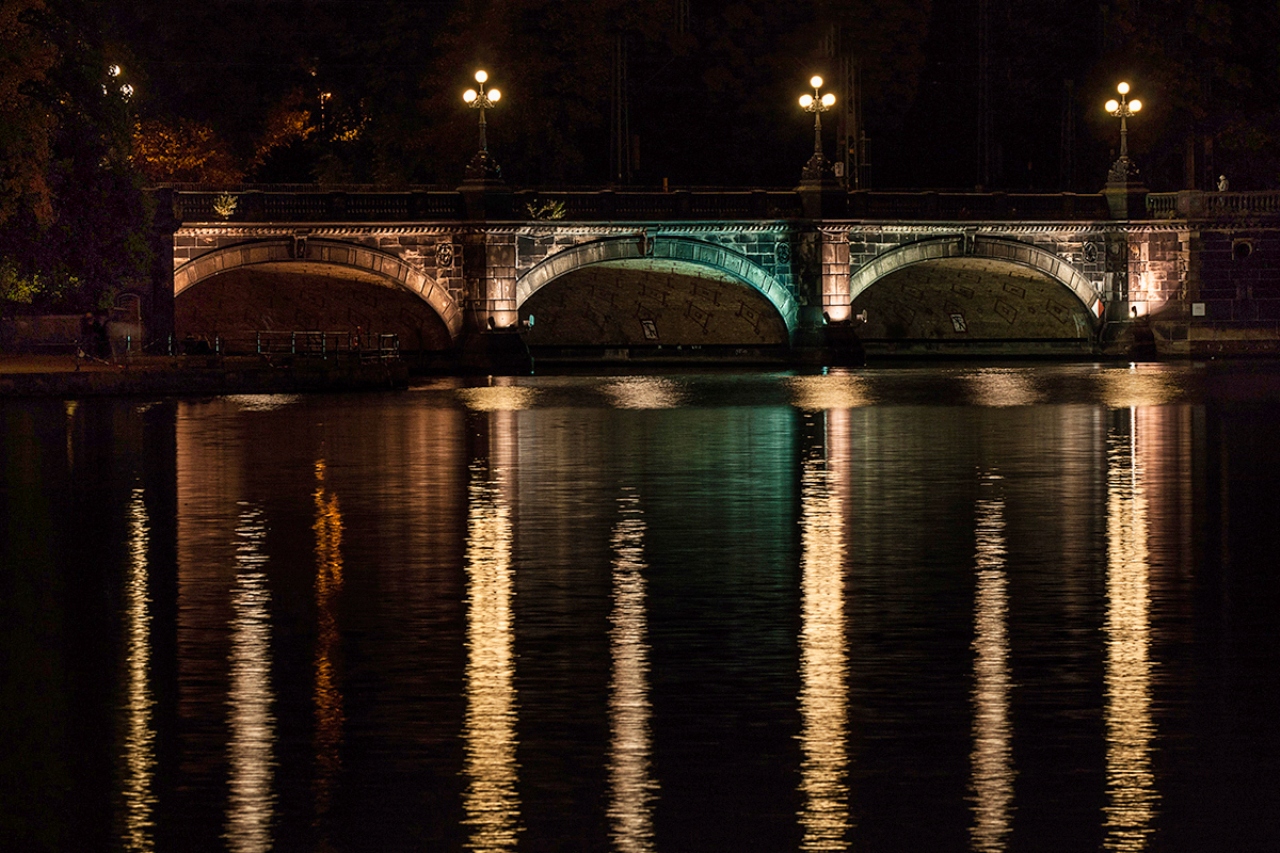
[(115, 72), (817, 168), (482, 167), (1123, 169)]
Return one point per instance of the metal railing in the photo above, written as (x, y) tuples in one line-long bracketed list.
[(367, 204), (301, 203), (310, 344)]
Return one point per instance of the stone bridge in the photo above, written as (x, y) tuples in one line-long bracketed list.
[(722, 273)]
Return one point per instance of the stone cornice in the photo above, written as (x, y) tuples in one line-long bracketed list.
[(353, 229), (833, 228)]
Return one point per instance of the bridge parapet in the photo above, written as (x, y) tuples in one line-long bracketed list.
[(975, 206), (306, 204), (1198, 204), (315, 204)]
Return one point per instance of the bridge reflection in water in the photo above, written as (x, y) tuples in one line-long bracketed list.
[(234, 591)]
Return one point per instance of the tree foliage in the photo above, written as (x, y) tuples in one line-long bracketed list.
[(27, 123), (182, 151), (77, 228)]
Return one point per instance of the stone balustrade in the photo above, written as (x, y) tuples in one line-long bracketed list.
[(1197, 204)]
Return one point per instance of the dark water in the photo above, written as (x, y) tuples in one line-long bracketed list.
[(912, 608)]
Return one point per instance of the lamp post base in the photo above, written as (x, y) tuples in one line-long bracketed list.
[(818, 173), (483, 170), (1125, 193)]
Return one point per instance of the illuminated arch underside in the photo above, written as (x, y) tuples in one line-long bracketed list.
[(692, 292), (313, 284), (999, 289), (970, 298), (646, 302)]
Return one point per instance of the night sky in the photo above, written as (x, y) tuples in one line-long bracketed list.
[(704, 91)]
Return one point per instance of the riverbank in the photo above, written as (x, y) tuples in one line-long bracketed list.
[(70, 376)]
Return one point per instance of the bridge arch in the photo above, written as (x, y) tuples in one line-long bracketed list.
[(988, 248), (387, 269), (680, 251)]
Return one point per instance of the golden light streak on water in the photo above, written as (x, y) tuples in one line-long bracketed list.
[(631, 786), (138, 788), (251, 804), (326, 694), (501, 396), (824, 713), (1131, 792), (991, 782), (1137, 385), (491, 802), (645, 392), (262, 402), (836, 390), (998, 387)]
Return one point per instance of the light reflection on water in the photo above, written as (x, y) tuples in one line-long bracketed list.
[(807, 562), (138, 784), (251, 802), (1132, 797), (631, 787), (1000, 387), (502, 396), (839, 389), (491, 800), (991, 784), (327, 691), (645, 392), (824, 696)]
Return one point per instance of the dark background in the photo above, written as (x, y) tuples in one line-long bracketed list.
[(959, 94), (708, 88)]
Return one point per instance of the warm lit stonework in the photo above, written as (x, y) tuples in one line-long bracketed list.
[(729, 273)]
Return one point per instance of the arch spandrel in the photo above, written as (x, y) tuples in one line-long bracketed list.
[(696, 253), (390, 269)]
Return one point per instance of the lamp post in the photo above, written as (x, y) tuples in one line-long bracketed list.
[(1123, 169), (817, 168), (482, 101), (485, 194)]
